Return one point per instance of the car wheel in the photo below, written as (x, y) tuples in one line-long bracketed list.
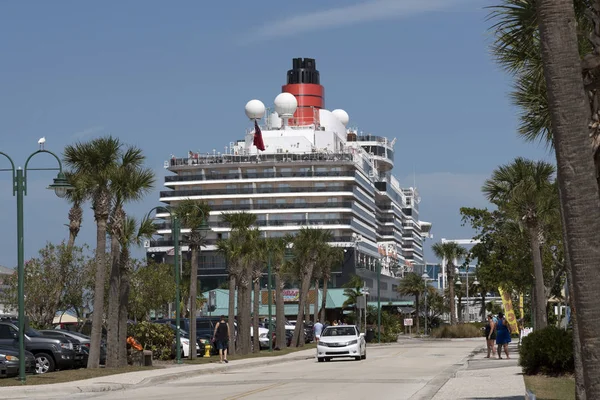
[(328, 359), (320, 359), (364, 356), (44, 363)]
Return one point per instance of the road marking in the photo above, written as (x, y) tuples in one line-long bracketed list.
[(251, 392), (398, 353)]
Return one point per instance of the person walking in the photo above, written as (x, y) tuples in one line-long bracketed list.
[(318, 328), (221, 338), (502, 335), (490, 335)]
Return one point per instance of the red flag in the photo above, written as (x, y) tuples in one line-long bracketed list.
[(258, 141)]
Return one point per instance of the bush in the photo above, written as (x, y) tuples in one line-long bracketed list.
[(156, 337), (548, 351), (457, 331)]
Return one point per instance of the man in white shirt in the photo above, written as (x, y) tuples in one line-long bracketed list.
[(318, 328)]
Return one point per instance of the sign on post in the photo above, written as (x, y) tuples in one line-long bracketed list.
[(408, 322)]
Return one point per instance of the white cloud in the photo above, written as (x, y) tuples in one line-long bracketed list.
[(87, 132), (367, 11)]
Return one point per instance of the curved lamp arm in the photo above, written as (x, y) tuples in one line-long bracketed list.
[(59, 169), (12, 169)]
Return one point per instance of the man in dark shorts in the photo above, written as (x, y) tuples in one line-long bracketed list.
[(221, 338)]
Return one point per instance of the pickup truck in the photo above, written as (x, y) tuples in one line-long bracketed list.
[(50, 353)]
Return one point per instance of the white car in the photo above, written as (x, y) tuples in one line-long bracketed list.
[(185, 347), (341, 341), (263, 337)]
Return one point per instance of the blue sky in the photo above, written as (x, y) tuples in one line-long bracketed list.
[(171, 77)]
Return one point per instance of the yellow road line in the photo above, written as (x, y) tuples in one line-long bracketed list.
[(251, 392)]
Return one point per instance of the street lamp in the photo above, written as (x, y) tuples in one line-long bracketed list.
[(425, 278), (19, 181), (378, 301), (176, 233)]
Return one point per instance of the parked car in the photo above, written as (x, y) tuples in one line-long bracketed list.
[(81, 356), (9, 362), (50, 352), (85, 341)]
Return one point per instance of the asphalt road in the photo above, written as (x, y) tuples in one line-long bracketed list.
[(415, 370)]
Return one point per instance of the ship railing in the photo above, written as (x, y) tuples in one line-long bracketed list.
[(207, 159)]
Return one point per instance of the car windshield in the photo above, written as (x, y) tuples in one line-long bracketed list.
[(339, 331), (32, 333), (81, 335)]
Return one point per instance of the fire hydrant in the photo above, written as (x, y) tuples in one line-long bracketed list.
[(207, 349)]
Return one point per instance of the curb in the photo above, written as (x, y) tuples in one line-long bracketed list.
[(222, 368), (36, 391)]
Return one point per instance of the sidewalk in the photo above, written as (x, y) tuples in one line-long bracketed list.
[(483, 378), (153, 376)]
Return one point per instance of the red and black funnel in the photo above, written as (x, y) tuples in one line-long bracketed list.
[(304, 82)]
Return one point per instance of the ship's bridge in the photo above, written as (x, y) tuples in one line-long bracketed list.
[(379, 147)]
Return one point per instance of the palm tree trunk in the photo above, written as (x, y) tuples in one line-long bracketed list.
[(124, 289), (112, 331), (193, 300), (299, 330), (247, 312), (255, 315), (231, 314), (316, 310), (75, 218), (541, 319), (578, 188), (240, 309), (98, 314), (279, 313), (324, 298), (450, 274), (417, 305)]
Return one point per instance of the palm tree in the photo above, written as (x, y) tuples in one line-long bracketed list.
[(130, 181), (193, 214), (95, 161), (413, 285), (332, 260), (525, 189), (234, 250), (276, 248), (259, 255), (352, 291), (450, 251), (570, 116), (131, 234), (308, 244)]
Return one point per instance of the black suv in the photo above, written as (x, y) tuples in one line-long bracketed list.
[(50, 353)]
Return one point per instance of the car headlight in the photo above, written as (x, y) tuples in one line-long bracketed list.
[(352, 342), (8, 357), (67, 346), (323, 344), (263, 335)]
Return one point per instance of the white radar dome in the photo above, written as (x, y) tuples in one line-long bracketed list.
[(255, 109), (342, 116), (286, 104)]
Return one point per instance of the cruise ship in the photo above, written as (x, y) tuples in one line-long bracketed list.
[(301, 165)]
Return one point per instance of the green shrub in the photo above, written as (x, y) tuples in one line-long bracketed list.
[(548, 351), (156, 337), (457, 331)]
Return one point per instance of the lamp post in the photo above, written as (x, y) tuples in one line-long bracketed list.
[(425, 278), (270, 301), (19, 181), (378, 302)]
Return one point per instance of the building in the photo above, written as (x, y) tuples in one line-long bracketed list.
[(315, 171)]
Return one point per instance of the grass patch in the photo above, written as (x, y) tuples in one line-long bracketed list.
[(551, 388), (260, 354), (69, 375), (457, 331)]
